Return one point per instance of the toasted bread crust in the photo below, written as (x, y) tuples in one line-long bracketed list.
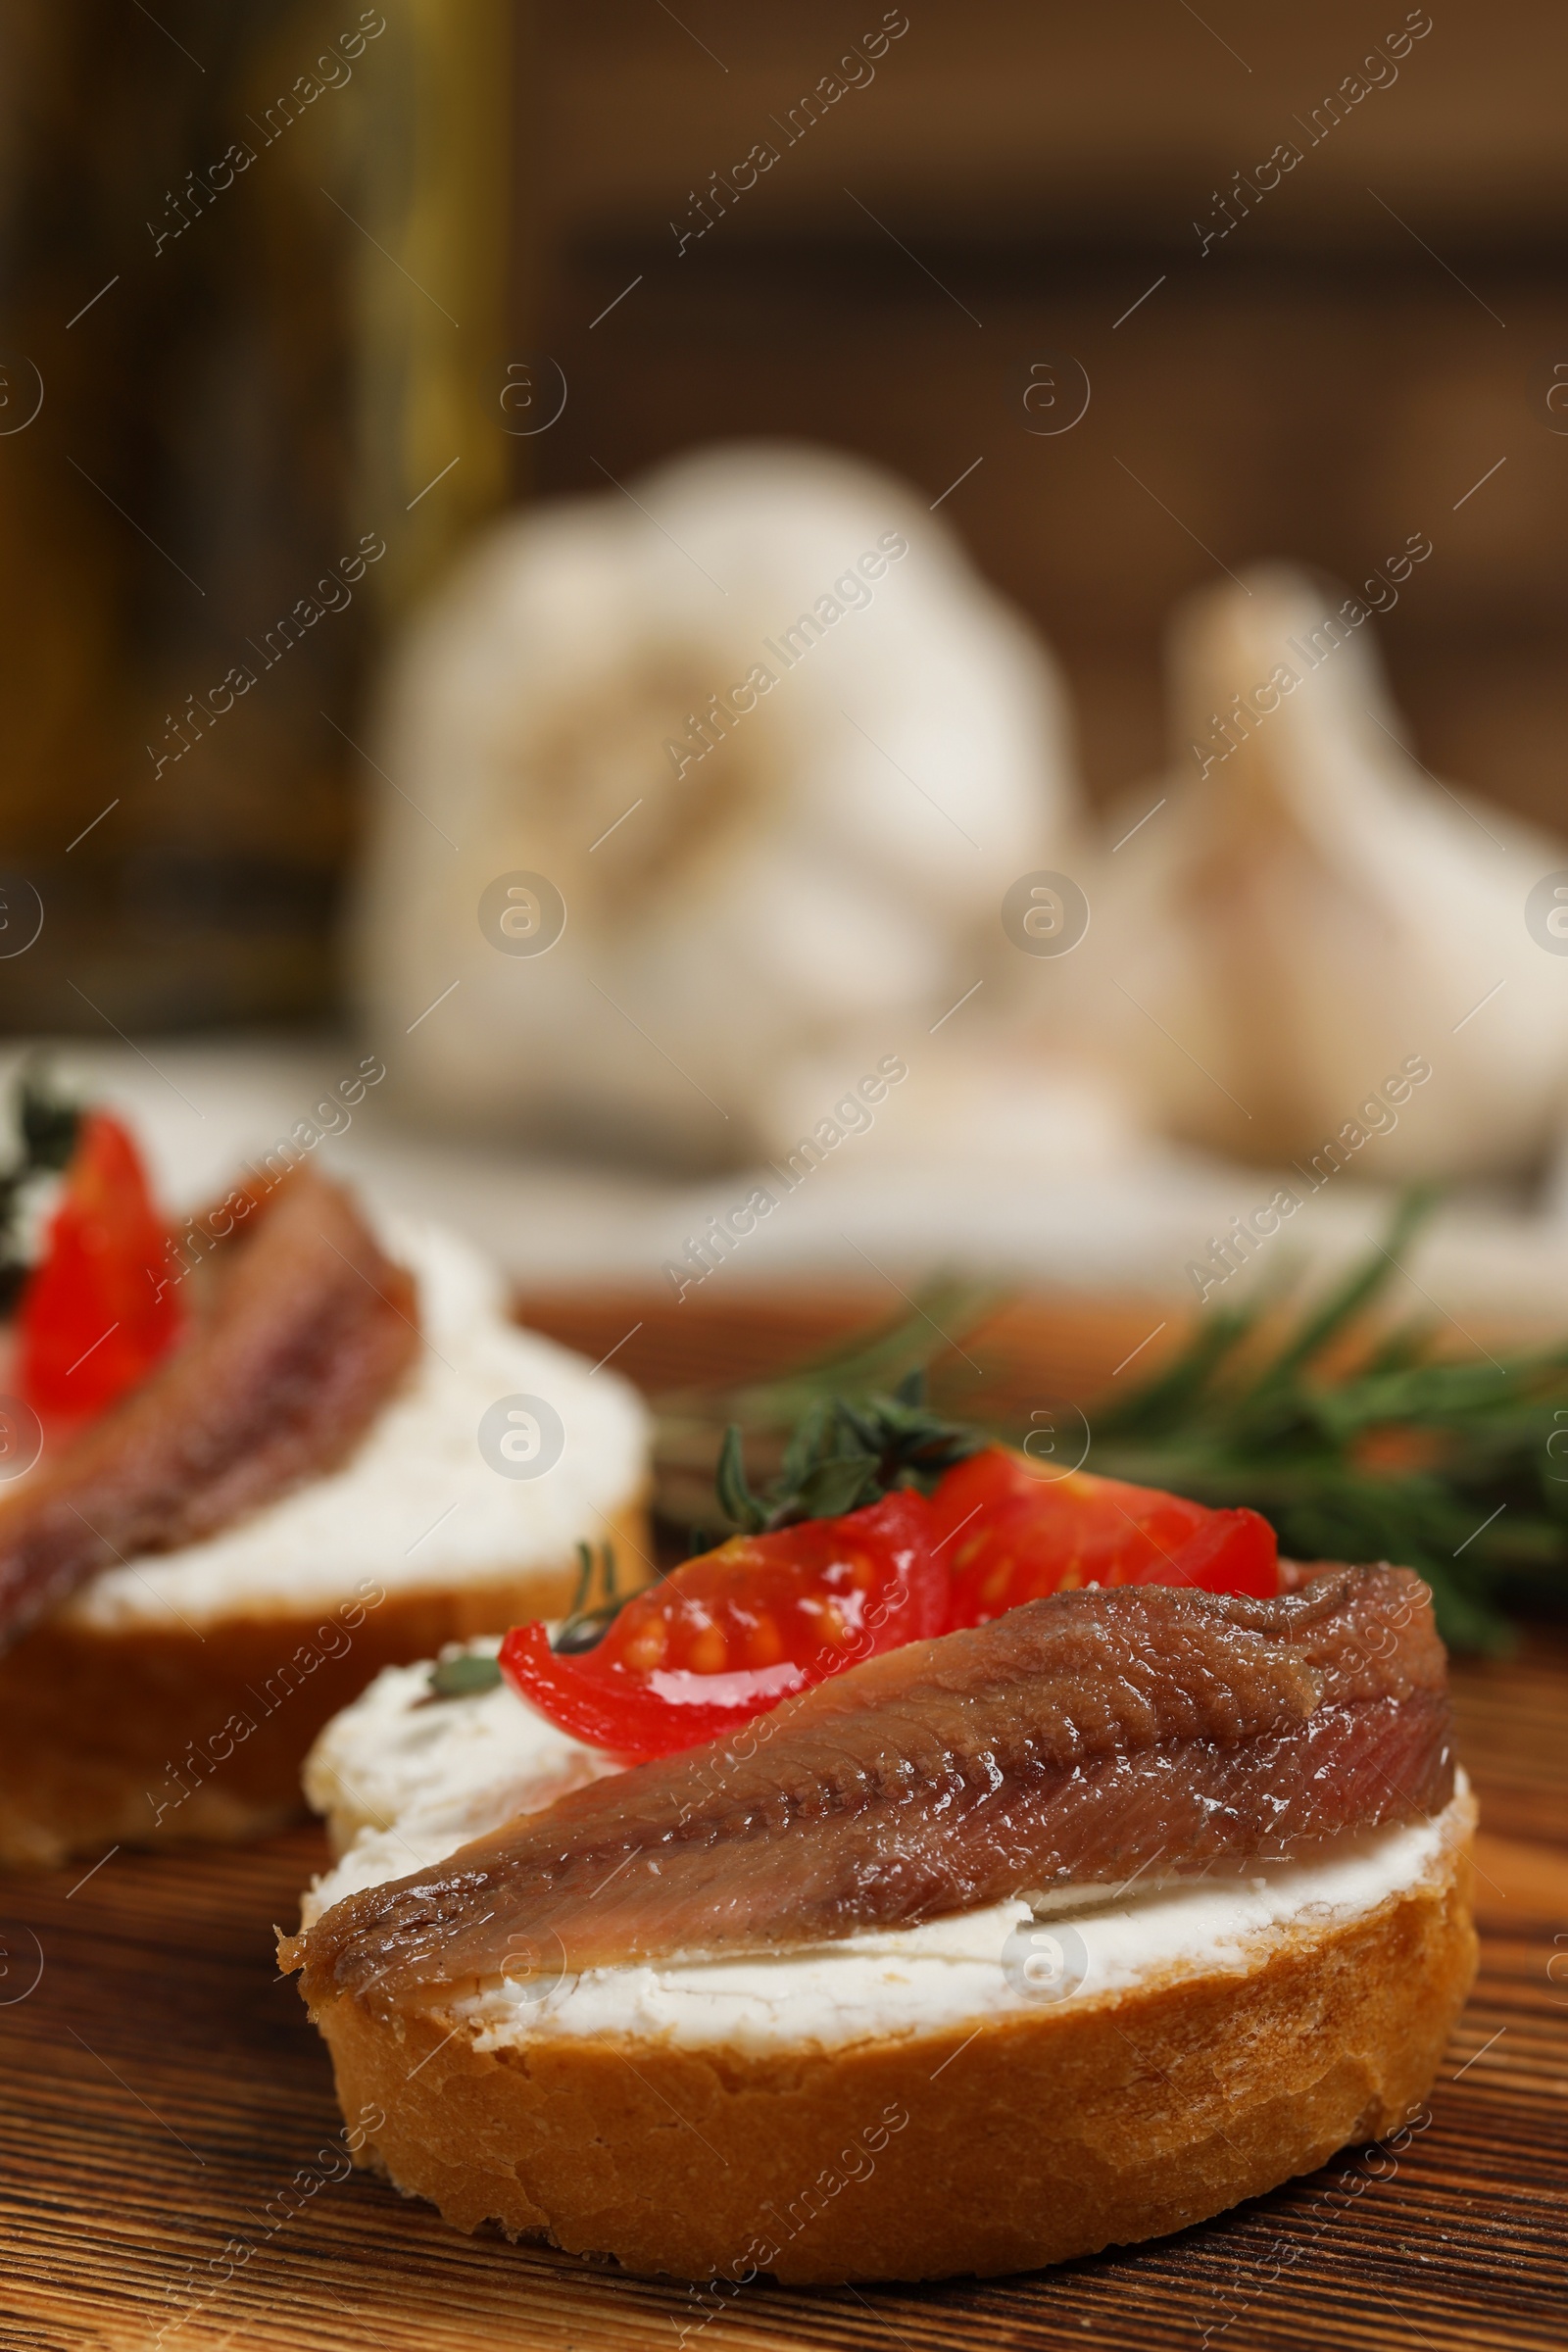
[(1037, 2138), (97, 1727)]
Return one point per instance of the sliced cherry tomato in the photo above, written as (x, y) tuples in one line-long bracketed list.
[(732, 1633), (97, 1312), (1009, 1533)]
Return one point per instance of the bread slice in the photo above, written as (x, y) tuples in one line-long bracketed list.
[(905, 2105), (174, 1698)]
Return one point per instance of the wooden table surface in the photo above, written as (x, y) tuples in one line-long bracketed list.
[(161, 2087)]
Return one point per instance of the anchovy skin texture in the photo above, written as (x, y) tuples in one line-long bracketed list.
[(1085, 1736), (310, 1329)]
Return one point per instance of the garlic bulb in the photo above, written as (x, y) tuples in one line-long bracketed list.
[(760, 736), (1309, 915)]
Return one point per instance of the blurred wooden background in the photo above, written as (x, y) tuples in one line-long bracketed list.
[(1318, 384), (1006, 187)]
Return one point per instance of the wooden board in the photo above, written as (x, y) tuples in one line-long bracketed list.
[(165, 2098)]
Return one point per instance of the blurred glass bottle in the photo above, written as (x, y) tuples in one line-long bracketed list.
[(254, 266)]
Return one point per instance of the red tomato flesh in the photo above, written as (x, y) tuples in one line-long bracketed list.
[(1009, 1533), (733, 1631), (97, 1313)]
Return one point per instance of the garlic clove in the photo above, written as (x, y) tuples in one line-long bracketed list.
[(1310, 910)]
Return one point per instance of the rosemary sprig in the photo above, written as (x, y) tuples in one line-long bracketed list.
[(1354, 1441), (1445, 1465)]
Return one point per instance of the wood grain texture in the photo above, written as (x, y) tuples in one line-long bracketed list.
[(166, 2099)]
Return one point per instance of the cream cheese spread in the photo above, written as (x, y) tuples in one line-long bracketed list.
[(417, 1503), (406, 1781)]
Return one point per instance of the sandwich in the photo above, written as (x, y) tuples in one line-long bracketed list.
[(1004, 1868), (247, 1464)]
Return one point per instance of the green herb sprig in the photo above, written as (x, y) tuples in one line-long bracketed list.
[(802, 1415), (1355, 1441), (468, 1674), (46, 1124), (844, 1454), (587, 1621), (1446, 1465), (464, 1675)]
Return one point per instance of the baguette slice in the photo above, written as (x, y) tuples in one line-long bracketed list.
[(985, 2093), (173, 1698)]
